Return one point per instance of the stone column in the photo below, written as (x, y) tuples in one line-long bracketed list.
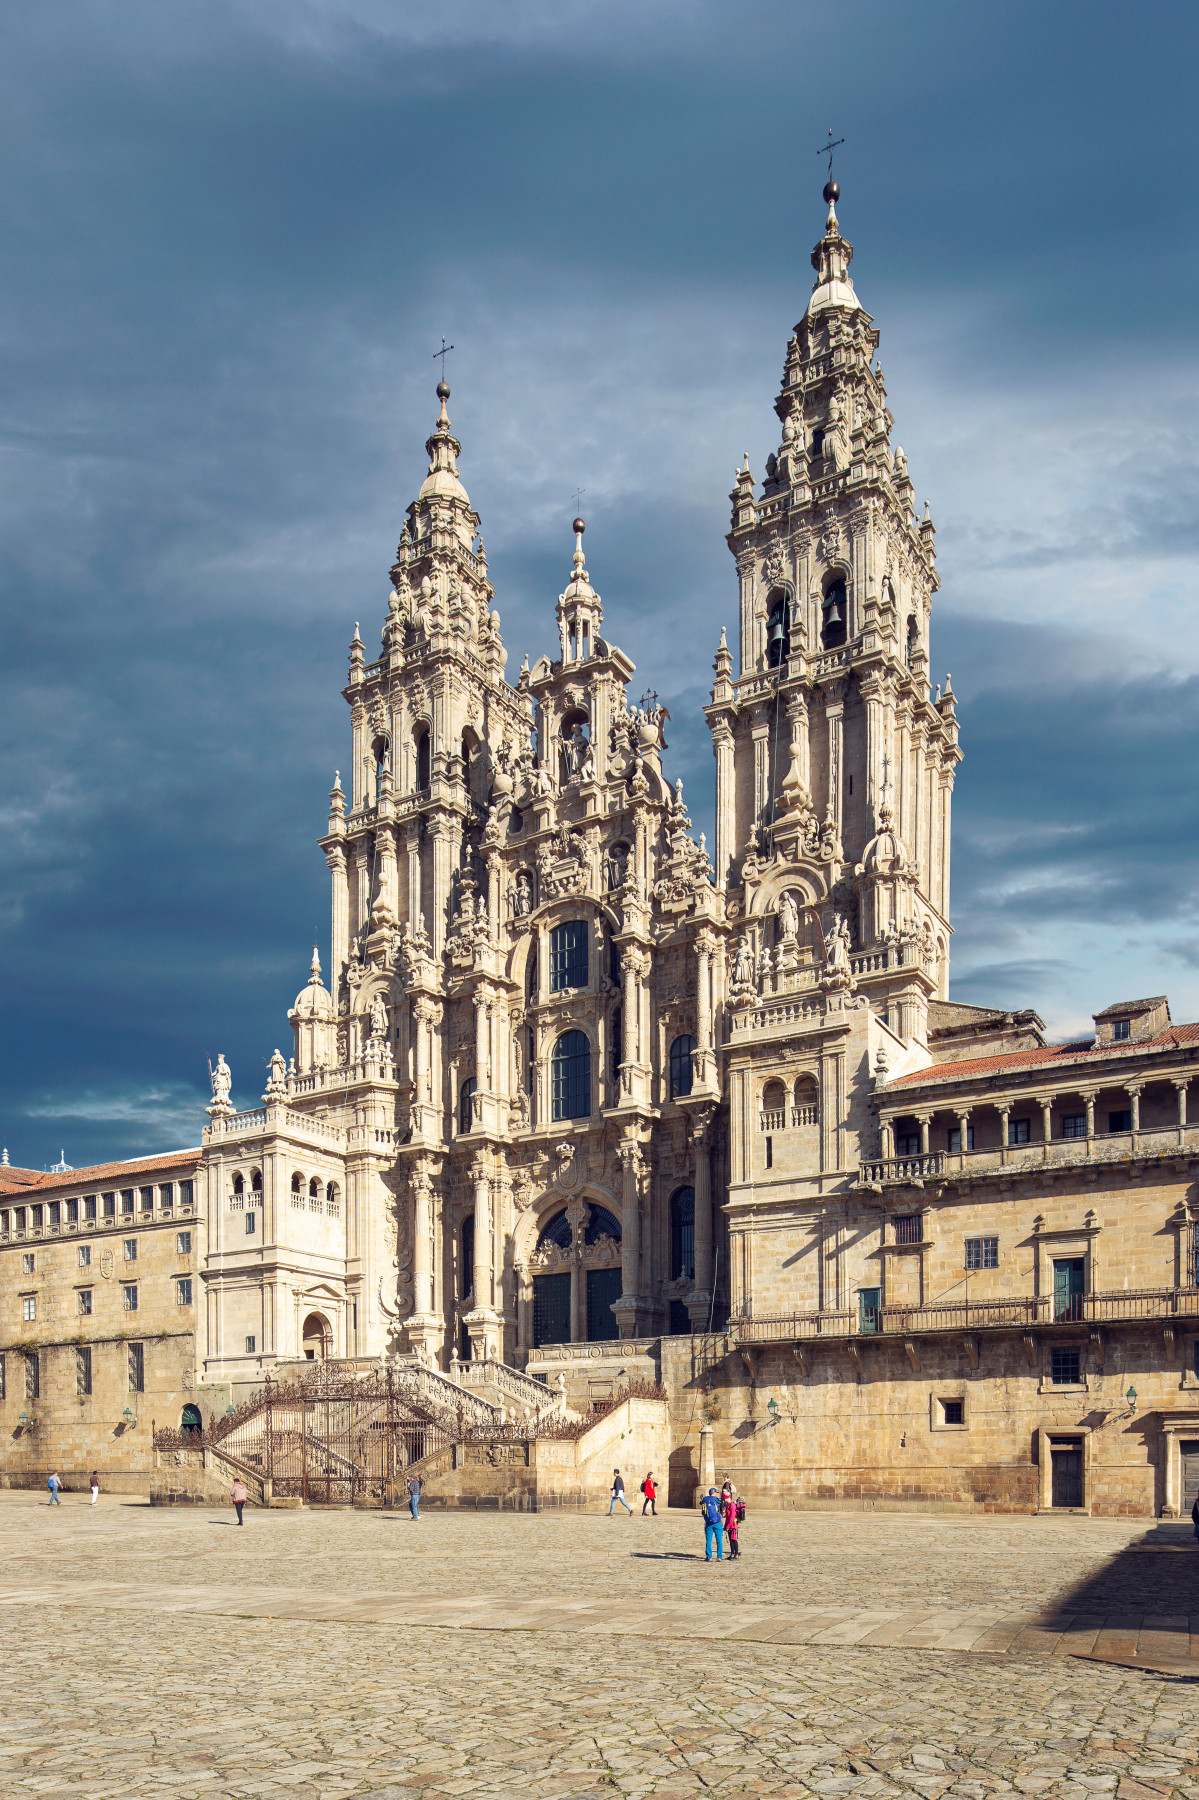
[(700, 1303), (626, 1309), (726, 801), (1089, 1102), (1003, 1109), (442, 861), (705, 1060), (340, 923), (630, 1007), (482, 1045), (707, 1459), (834, 712), (964, 1128), (576, 1214), (1134, 1100), (871, 690), (412, 845), (422, 1233), (763, 720), (1047, 1101), (481, 1177), (1180, 1088), (923, 1120)]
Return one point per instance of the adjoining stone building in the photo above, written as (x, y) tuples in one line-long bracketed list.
[(581, 1100)]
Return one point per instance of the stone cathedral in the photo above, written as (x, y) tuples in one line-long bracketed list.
[(579, 1100), (527, 1107)]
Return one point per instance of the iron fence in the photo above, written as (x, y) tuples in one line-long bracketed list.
[(1018, 1313)]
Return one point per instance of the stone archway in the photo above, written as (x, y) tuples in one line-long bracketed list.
[(316, 1337), (571, 1247)]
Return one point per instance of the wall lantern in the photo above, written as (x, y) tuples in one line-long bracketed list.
[(772, 1407), (1131, 1397)]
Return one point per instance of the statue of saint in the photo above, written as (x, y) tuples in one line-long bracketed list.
[(378, 1017), (788, 916), (222, 1080), (836, 959), (522, 897), (743, 965)]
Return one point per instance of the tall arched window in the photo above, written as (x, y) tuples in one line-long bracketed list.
[(423, 758), (615, 1043), (571, 1076), (239, 1184), (682, 1234), (568, 956), (256, 1181), (466, 1106), (835, 614), (297, 1183), (314, 1188), (601, 1224), (778, 630), (680, 1066), (556, 1231)]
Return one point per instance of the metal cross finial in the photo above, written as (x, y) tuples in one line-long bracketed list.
[(443, 353), (827, 150), (579, 492)]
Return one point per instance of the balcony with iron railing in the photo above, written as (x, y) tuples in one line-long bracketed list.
[(1017, 1313), (1015, 1159)]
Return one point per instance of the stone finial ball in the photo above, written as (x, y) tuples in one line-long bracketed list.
[(443, 391), (831, 192), (578, 525)]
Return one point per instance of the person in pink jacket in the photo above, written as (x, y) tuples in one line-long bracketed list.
[(239, 1498)]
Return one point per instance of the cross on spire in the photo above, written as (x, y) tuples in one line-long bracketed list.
[(579, 492), (827, 150), (442, 353)]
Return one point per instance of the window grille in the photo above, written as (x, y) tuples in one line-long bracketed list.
[(680, 1066), (29, 1308), (571, 1076), (137, 1368), (33, 1377), (568, 956), (682, 1234), (907, 1228), (83, 1370)]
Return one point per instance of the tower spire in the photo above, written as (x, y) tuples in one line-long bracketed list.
[(580, 613)]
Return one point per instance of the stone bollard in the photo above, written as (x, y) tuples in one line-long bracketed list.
[(707, 1459)]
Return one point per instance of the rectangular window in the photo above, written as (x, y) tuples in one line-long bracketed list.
[(1120, 1121), (907, 1143), (85, 1256), (110, 1207), (35, 1218), (126, 1200), (18, 1220), (1074, 1125), (1064, 1368), (770, 1153), (1019, 1131), (137, 1368), (83, 1370), (1121, 1029), (56, 1212), (982, 1253), (72, 1212), (166, 1195), (955, 1140), (251, 1345), (33, 1377), (130, 1296), (147, 1195), (952, 1412), (85, 1302), (186, 1190), (29, 1308), (251, 1223), (130, 1249), (3, 1380), (568, 955), (907, 1228), (4, 1224), (27, 1263), (183, 1291), (183, 1243)]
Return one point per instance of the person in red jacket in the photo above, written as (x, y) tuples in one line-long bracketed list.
[(651, 1494)]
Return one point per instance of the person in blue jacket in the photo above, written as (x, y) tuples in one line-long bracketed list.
[(712, 1514)]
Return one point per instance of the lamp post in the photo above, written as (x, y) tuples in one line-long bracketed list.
[(772, 1407), (1131, 1397)]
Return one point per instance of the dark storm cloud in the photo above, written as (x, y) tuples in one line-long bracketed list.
[(232, 237)]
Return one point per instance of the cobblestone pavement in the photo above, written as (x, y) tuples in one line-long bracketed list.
[(140, 1657)]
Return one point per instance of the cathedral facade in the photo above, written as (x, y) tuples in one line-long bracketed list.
[(585, 1101)]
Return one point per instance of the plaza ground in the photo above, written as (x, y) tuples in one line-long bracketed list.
[(154, 1651)]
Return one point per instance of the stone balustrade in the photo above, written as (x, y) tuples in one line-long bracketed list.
[(1018, 1313)]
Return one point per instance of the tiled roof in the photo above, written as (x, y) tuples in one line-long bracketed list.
[(1174, 1036), (1131, 1006), (74, 1180)]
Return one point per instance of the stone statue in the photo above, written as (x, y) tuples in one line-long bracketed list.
[(788, 916), (618, 867), (836, 440), (743, 965), (276, 1085), (222, 1081), (522, 898), (378, 1017), (836, 960)]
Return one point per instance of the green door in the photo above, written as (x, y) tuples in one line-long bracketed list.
[(551, 1309), (603, 1287), (869, 1302), (1068, 1280)]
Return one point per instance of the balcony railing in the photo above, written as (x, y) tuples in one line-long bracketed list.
[(903, 1170), (1017, 1314)]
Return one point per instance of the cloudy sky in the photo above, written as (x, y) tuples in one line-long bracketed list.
[(232, 237)]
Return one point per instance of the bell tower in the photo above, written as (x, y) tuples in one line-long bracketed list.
[(834, 764)]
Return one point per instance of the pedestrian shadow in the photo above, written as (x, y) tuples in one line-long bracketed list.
[(668, 1555)]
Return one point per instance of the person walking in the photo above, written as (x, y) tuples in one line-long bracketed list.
[(414, 1498), (94, 1484), (651, 1494), (713, 1517), (618, 1494), (731, 1524), (54, 1484), (239, 1498)]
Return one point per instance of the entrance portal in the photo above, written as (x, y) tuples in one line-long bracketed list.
[(1066, 1457), (1188, 1451), (551, 1309), (317, 1337)]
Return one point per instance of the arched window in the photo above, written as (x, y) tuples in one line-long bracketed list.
[(558, 1232), (682, 1234), (778, 629), (807, 1101), (913, 640), (192, 1419), (239, 1184), (571, 1076), (256, 1181), (818, 442), (531, 975), (297, 1183), (680, 1066), (568, 956), (774, 1106), (466, 1106), (615, 1042), (314, 1189), (601, 1224), (423, 758), (835, 613), (332, 1194), (468, 1255)]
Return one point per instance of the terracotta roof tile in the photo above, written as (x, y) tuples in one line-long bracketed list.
[(1082, 1051), (74, 1180)]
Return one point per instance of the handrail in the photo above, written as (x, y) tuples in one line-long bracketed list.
[(1018, 1313)]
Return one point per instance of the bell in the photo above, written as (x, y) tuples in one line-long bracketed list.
[(835, 615), (778, 637)]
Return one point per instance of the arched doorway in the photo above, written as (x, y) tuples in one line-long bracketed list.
[(192, 1419), (317, 1337)]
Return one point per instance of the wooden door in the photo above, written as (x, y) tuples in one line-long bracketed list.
[(1188, 1451), (1067, 1472)]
